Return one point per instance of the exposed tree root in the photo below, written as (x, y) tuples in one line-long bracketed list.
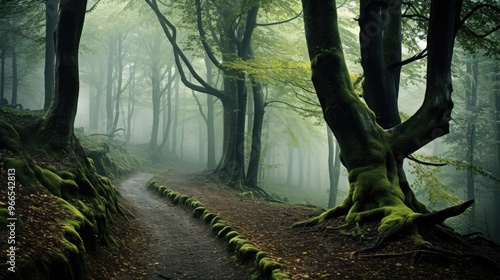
[(393, 220), (338, 211)]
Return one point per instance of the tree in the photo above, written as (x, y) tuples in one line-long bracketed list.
[(233, 41), (374, 156), (60, 117), (50, 27)]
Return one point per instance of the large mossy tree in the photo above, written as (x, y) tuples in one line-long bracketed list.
[(372, 140)]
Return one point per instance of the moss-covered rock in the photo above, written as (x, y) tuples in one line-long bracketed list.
[(9, 139), (243, 250)]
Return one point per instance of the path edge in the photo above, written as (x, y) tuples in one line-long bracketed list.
[(243, 249)]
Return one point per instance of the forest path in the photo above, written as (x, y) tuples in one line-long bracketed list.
[(180, 246)]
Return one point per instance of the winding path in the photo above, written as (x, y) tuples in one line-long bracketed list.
[(182, 246)]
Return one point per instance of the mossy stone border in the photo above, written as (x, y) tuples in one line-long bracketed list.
[(242, 248)]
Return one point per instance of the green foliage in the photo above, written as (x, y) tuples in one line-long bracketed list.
[(427, 180)]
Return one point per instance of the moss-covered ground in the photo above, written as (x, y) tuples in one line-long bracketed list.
[(62, 203), (257, 229)]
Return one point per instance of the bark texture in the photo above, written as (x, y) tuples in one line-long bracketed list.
[(373, 156), (60, 117)]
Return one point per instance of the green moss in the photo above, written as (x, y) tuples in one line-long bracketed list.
[(9, 139), (247, 252), (189, 201), (208, 217), (49, 180), (218, 226), (174, 197), (215, 220), (72, 241), (235, 243), (195, 204), (279, 275), (232, 234), (161, 190), (65, 175), (4, 215), (24, 172), (224, 231), (199, 211), (183, 199), (247, 195), (260, 255), (267, 266)]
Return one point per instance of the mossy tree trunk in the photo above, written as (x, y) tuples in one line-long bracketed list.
[(60, 117), (378, 188)]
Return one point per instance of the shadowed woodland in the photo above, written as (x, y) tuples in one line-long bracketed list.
[(320, 139)]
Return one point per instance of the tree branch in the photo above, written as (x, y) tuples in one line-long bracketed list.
[(416, 57), (179, 55), (208, 50), (432, 119), (473, 11), (280, 22)]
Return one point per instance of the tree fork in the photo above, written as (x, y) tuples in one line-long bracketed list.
[(374, 157)]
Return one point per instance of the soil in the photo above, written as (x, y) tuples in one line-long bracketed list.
[(166, 242)]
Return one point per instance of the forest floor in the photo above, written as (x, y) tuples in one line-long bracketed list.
[(158, 243)]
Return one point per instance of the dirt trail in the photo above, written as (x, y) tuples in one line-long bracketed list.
[(180, 247)]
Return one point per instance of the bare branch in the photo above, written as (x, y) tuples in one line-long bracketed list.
[(280, 22), (416, 57), (203, 36), (171, 33), (410, 157), (93, 7)]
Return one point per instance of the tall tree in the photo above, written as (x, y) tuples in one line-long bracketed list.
[(234, 23), (470, 104), (51, 8), (374, 157), (59, 119)]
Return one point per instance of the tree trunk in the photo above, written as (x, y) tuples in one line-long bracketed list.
[(231, 167), (109, 86), (130, 111), (374, 157), (256, 148), (380, 41), (301, 168), (333, 168), (119, 86), (168, 99), (175, 119), (155, 99), (496, 192), (95, 107), (15, 80), (51, 7), (210, 132), (210, 119), (2, 78), (470, 104), (289, 174), (60, 117)]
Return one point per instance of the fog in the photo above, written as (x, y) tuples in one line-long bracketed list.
[(126, 57)]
